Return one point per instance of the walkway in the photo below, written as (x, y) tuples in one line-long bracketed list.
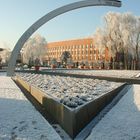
[(122, 122), (19, 120)]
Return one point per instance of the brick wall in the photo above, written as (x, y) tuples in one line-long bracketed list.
[(81, 50)]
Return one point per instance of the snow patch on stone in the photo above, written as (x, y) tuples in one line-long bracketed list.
[(70, 91)]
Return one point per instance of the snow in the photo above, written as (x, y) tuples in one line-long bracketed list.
[(2, 73), (107, 73), (138, 75), (70, 91), (122, 122), (19, 120)]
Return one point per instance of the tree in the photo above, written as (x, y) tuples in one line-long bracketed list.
[(136, 40), (0, 59), (37, 64), (99, 40), (70, 62), (34, 48), (53, 63), (30, 63), (65, 57), (121, 34), (0, 62), (5, 55), (113, 34), (127, 30)]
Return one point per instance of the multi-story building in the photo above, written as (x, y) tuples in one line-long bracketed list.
[(81, 50)]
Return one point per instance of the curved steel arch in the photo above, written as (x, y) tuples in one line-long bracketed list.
[(49, 16)]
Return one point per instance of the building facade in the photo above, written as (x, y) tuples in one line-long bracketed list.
[(81, 50)]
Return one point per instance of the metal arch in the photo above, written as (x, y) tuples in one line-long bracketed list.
[(46, 18)]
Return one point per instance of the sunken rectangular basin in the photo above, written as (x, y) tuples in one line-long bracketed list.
[(23, 83), (72, 120)]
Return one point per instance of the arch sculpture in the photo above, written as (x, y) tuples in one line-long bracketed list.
[(46, 18)]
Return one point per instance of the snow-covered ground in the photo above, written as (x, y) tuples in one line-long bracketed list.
[(122, 122), (69, 90), (19, 120), (108, 73), (2, 73)]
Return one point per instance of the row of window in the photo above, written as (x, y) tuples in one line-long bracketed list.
[(75, 56), (74, 52), (71, 47), (80, 58)]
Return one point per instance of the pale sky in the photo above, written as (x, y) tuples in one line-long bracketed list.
[(18, 15)]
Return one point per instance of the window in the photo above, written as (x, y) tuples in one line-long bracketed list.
[(90, 57), (91, 45), (83, 46), (90, 52), (94, 57)]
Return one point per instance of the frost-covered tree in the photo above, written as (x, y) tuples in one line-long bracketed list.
[(70, 62), (65, 57), (53, 62), (99, 40), (137, 37), (34, 48), (128, 29), (5, 55), (121, 34), (0, 59), (113, 32), (136, 41)]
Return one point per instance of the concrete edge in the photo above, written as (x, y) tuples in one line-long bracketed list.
[(70, 120), (87, 130)]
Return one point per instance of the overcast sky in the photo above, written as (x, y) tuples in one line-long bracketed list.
[(18, 15)]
